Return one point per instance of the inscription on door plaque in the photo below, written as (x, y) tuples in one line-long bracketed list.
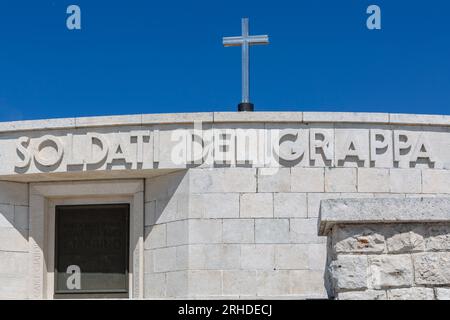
[(91, 249)]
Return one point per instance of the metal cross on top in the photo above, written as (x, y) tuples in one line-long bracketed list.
[(245, 41)]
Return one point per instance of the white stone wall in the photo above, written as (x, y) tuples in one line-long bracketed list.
[(13, 240), (390, 261), (253, 231)]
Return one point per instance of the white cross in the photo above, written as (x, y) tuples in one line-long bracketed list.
[(245, 41)]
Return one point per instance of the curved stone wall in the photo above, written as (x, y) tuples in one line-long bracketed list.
[(232, 199)]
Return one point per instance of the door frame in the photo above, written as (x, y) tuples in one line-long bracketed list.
[(44, 197)]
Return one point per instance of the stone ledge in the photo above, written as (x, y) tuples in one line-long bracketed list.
[(227, 117), (365, 211)]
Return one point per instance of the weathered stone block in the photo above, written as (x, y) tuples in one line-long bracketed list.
[(291, 256), (274, 180), (177, 233), (405, 240), (177, 284), (290, 205), (239, 283), (390, 271), (165, 259), (205, 283), (155, 285), (438, 238), (273, 283), (214, 205), (349, 272), (436, 181), (340, 180), (6, 216), (307, 283), (272, 231), (223, 180), (307, 179), (214, 257), (405, 180), (363, 295), (155, 236), (304, 231), (432, 268), (373, 180), (258, 257), (357, 239), (205, 231), (21, 220), (238, 231), (442, 293), (411, 294), (256, 205)]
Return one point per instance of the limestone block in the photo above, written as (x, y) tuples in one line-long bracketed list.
[(405, 180), (436, 181), (13, 263), (290, 205), (177, 284), (214, 205), (148, 261), (314, 200), (214, 257), (432, 268), (165, 259), (442, 293), (150, 213), (438, 238), (363, 295), (273, 283), (274, 180), (257, 257), (205, 231), (272, 231), (6, 216), (349, 272), (223, 180), (390, 271), (307, 179), (420, 210), (177, 233), (373, 180), (165, 186), (304, 231), (256, 205), (239, 282), (291, 256), (357, 239), (205, 283), (155, 285), (12, 239), (238, 231), (317, 256), (155, 236), (406, 239), (411, 294), (21, 217), (13, 286), (340, 180), (307, 283), (13, 193)]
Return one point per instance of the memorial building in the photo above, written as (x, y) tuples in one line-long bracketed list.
[(292, 205)]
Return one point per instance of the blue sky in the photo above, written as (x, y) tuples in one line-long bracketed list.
[(140, 56)]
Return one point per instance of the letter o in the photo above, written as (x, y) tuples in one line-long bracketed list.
[(50, 141)]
